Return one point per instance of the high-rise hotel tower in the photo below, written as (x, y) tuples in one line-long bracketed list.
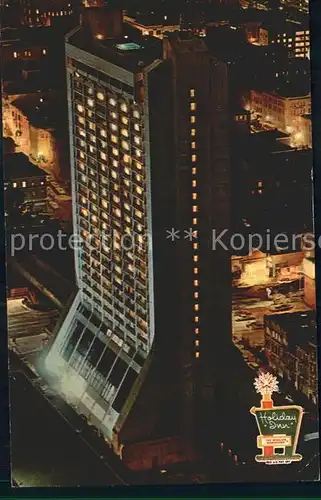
[(149, 157)]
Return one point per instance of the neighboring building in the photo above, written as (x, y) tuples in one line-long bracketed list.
[(17, 46), (291, 349), (256, 34), (29, 120), (259, 267), (281, 110), (309, 282), (295, 38), (20, 174), (38, 13), (149, 150), (306, 130), (149, 27)]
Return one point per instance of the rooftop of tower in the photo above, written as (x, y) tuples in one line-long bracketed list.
[(123, 46)]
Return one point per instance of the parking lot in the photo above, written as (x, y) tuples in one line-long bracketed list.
[(248, 313)]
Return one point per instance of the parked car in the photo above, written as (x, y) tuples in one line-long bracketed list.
[(283, 307)]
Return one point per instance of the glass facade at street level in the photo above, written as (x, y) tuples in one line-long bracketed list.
[(108, 332)]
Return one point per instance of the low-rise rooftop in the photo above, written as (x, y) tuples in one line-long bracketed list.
[(18, 166), (38, 108), (300, 327)]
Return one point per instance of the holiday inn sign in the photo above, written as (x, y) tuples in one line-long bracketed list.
[(279, 426)]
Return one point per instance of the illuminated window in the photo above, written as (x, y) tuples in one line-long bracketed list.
[(194, 221), (259, 183), (115, 163), (126, 158), (193, 119), (80, 108), (114, 139), (195, 258), (193, 157), (195, 208), (123, 107), (100, 96), (197, 343), (124, 132), (138, 153), (44, 52), (114, 174), (113, 115), (194, 183), (193, 145), (124, 120), (194, 170), (196, 307), (127, 171), (112, 101), (194, 196), (193, 131), (113, 127), (125, 145), (137, 140), (137, 165), (195, 270), (94, 218), (195, 282), (260, 191), (115, 152), (192, 93), (196, 319), (195, 295), (103, 155), (197, 331), (136, 114), (104, 203), (139, 190), (137, 127), (197, 354), (90, 102), (193, 106), (84, 212), (195, 246)]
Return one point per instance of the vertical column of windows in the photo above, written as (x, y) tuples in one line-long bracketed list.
[(195, 215)]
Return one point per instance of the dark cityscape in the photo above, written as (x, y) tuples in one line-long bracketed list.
[(160, 255)]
